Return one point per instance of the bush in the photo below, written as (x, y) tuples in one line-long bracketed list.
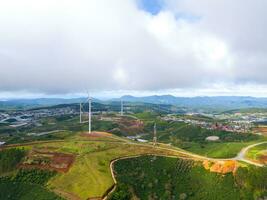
[(9, 158), (121, 193), (35, 176)]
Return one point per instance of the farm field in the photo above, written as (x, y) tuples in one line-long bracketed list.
[(152, 177), (261, 129), (90, 170), (193, 138), (82, 162), (219, 150), (258, 154)]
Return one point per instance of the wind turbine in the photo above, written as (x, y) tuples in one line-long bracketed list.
[(89, 99), (121, 107), (155, 134), (80, 113), (89, 113)]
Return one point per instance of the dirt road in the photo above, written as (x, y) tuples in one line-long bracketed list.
[(241, 156)]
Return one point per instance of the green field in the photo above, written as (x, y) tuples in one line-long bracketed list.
[(193, 138), (257, 151), (217, 149), (91, 166), (150, 177), (90, 176)]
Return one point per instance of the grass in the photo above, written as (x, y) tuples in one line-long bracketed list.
[(90, 174), (218, 150), (255, 152), (193, 138)]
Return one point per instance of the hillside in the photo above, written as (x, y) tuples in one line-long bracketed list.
[(151, 177)]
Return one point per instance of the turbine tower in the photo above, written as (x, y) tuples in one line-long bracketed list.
[(89, 114), (155, 134), (121, 107), (80, 113)]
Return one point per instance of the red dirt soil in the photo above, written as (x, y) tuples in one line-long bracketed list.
[(262, 130), (222, 167), (263, 159), (59, 162)]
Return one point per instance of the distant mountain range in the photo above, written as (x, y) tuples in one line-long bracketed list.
[(218, 102), (29, 103), (224, 102)]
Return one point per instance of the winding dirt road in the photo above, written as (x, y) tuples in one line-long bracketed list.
[(241, 156)]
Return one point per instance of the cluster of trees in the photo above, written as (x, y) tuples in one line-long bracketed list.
[(151, 177), (27, 184), (11, 190), (9, 158), (192, 133), (252, 181), (33, 176), (121, 193)]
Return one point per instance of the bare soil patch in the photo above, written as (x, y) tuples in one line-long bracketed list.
[(262, 130), (222, 167), (60, 162), (263, 159)]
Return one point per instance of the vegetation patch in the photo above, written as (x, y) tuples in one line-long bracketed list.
[(33, 176), (11, 190), (258, 153), (10, 158), (151, 177), (91, 168), (27, 184)]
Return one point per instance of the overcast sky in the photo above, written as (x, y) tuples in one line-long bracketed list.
[(114, 47)]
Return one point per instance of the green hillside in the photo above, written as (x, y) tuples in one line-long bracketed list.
[(151, 177)]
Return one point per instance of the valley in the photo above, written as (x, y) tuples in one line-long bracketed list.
[(72, 164)]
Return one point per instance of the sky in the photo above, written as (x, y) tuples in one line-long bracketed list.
[(65, 48)]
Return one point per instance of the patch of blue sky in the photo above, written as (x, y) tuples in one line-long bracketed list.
[(155, 6), (151, 6)]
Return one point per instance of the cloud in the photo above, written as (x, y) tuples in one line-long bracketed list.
[(64, 46)]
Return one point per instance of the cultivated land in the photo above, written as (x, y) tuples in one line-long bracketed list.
[(151, 177), (89, 175), (258, 153), (82, 163), (262, 129), (220, 150)]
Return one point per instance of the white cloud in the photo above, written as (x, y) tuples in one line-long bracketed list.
[(64, 46)]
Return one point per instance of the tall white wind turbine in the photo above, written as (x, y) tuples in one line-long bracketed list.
[(80, 113), (121, 107), (89, 99)]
